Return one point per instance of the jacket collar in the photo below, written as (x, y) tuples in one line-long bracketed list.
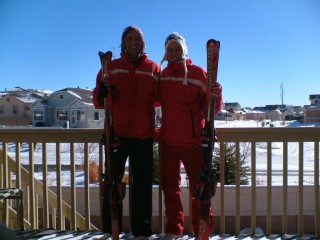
[(125, 57)]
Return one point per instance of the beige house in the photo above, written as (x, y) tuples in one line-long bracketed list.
[(254, 114), (15, 106), (312, 112)]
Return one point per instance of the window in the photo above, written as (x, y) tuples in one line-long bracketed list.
[(15, 109), (81, 116), (61, 114), (1, 109), (61, 96), (96, 115), (38, 115)]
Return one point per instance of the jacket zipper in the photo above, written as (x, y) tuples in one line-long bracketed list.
[(192, 124), (150, 118)]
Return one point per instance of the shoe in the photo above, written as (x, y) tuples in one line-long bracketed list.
[(172, 237), (142, 238), (154, 236)]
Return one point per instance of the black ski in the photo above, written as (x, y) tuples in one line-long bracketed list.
[(207, 190)]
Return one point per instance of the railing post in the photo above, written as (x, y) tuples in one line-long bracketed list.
[(222, 177), (31, 184), (86, 184), (253, 186), (5, 181), (237, 176), (73, 189), (45, 186), (300, 192), (269, 189), (59, 190), (316, 189), (285, 189)]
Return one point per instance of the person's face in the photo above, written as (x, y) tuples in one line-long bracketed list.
[(133, 43), (174, 52)]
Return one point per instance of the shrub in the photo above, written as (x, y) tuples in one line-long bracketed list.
[(229, 150), (155, 164)]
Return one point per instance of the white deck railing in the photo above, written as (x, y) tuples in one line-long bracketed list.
[(276, 207)]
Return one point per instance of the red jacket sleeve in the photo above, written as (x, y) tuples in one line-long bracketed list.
[(95, 92)]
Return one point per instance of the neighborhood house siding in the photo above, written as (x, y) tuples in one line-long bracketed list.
[(70, 107), (312, 115), (60, 99), (14, 111)]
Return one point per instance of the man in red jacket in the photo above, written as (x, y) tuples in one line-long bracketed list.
[(182, 97), (134, 85)]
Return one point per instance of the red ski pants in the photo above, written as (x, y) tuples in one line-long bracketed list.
[(171, 159)]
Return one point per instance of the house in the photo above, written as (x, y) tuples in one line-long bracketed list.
[(298, 110), (223, 115), (69, 107), (227, 110), (311, 113), (254, 114), (274, 112), (15, 106), (232, 111), (232, 105), (314, 99), (237, 114)]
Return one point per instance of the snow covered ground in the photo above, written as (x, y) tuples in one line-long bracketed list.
[(260, 165)]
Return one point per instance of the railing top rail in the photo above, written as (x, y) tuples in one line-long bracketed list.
[(50, 135), (288, 134), (285, 134)]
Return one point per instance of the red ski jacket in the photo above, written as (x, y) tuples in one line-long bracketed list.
[(183, 104), (135, 89)]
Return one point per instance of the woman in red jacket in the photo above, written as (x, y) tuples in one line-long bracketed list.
[(134, 85), (182, 97)]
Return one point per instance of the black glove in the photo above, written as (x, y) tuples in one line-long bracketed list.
[(103, 93)]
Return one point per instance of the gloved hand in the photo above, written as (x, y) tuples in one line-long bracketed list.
[(103, 93), (216, 89)]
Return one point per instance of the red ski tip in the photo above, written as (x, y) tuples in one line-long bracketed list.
[(212, 43)]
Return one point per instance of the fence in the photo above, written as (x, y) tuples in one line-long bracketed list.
[(288, 152)]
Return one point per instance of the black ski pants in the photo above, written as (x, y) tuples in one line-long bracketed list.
[(140, 153)]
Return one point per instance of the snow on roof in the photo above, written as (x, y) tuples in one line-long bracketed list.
[(26, 98), (73, 93), (15, 89), (84, 94), (44, 92), (3, 94), (249, 110)]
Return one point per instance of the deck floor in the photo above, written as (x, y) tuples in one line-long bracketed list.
[(58, 234)]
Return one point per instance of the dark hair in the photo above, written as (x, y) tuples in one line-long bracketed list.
[(125, 32)]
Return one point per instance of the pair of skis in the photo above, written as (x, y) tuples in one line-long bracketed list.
[(207, 190), (110, 142)]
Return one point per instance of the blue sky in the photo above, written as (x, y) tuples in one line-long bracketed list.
[(54, 44)]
